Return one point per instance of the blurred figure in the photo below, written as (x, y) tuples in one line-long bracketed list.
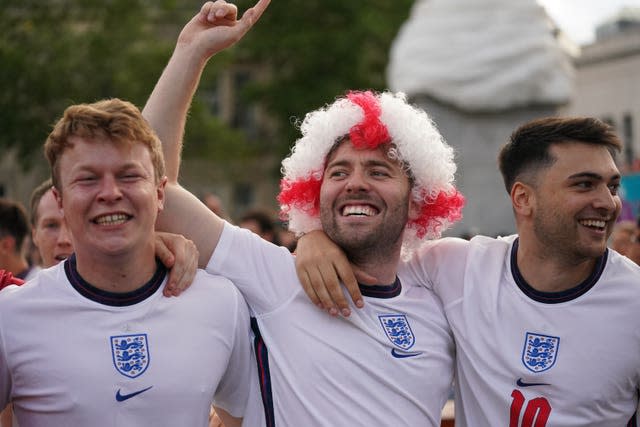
[(48, 228), (213, 202), (14, 229), (286, 237), (262, 223), (633, 248), (33, 253), (623, 236)]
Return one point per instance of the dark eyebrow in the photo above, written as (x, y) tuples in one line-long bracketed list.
[(337, 163), (386, 164), (592, 175), (368, 163)]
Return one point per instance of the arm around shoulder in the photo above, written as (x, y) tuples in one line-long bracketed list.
[(184, 214)]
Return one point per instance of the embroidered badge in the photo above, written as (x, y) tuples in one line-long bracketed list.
[(130, 354), (397, 329), (540, 351)]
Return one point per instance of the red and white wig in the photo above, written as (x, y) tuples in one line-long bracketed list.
[(369, 119)]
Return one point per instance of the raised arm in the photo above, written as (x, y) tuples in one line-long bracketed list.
[(213, 29)]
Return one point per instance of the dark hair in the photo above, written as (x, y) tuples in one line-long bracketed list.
[(528, 148), (265, 220), (36, 196), (13, 221)]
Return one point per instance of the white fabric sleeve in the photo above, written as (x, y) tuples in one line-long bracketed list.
[(440, 266), (262, 271)]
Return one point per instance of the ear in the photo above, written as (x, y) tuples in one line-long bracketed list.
[(58, 196), (34, 237), (522, 198), (160, 192), (414, 209)]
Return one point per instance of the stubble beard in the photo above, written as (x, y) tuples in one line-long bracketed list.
[(563, 239), (364, 245)]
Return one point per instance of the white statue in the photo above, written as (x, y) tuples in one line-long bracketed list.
[(480, 55)]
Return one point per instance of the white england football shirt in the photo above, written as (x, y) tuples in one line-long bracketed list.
[(528, 358), (72, 355), (388, 364)]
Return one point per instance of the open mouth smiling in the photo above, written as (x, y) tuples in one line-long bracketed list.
[(598, 224), (359, 210), (112, 219)]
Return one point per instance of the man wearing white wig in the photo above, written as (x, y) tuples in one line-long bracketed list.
[(375, 174)]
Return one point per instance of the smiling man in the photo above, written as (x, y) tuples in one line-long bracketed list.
[(368, 189), (92, 341), (374, 171)]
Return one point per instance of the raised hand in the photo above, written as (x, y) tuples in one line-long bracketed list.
[(216, 26)]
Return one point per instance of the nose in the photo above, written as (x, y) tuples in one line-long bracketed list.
[(357, 182), (607, 201), (109, 189)]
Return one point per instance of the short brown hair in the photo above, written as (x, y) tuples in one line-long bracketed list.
[(528, 147), (118, 120)]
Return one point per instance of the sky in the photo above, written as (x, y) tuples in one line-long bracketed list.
[(578, 18)]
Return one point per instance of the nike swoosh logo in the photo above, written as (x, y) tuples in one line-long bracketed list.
[(399, 355), (123, 397), (521, 383)]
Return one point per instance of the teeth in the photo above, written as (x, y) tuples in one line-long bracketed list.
[(111, 219), (358, 210), (593, 223)]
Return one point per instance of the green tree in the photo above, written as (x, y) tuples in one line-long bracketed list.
[(316, 50), (59, 52)]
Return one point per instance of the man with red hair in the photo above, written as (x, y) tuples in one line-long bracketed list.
[(375, 174)]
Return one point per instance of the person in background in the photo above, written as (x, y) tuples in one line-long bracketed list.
[(48, 228), (286, 237), (633, 252), (623, 237), (213, 202), (14, 230), (262, 223)]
